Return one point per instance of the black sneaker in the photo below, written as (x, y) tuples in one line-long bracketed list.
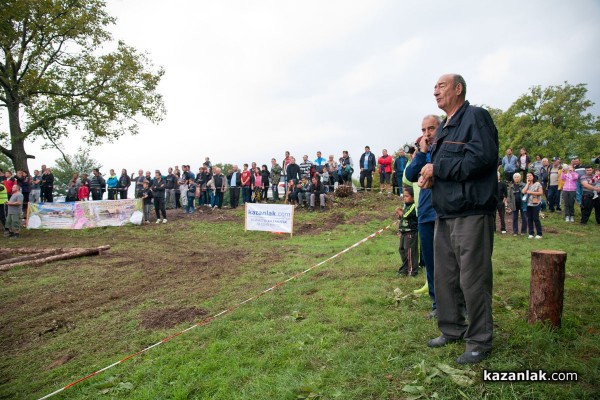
[(441, 341)]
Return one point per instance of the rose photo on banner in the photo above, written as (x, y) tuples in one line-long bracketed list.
[(84, 214)]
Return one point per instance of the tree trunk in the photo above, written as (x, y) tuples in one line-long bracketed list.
[(547, 286), (17, 153)]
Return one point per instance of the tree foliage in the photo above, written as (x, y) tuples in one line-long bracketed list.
[(5, 163), (66, 167), (552, 121), (56, 75)]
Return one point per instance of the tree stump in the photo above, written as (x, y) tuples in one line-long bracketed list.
[(547, 286)]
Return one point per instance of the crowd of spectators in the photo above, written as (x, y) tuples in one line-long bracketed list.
[(527, 188), (302, 184), (306, 183)]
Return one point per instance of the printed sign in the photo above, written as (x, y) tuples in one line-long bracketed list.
[(84, 214), (270, 217)]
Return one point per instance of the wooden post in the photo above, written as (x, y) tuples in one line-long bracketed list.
[(547, 286)]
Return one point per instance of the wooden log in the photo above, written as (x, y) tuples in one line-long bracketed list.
[(33, 256), (66, 255), (547, 286)]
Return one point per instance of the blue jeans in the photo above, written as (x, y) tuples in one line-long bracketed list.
[(426, 230), (190, 204), (246, 194), (515, 218), (399, 184), (553, 199), (216, 199)]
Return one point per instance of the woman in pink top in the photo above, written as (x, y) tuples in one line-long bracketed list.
[(570, 178), (256, 186)]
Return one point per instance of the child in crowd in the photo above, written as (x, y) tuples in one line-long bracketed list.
[(83, 193), (191, 197), (409, 235), (146, 194)]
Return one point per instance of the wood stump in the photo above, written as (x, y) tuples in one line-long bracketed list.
[(547, 286)]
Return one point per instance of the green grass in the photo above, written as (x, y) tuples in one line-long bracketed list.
[(334, 332)]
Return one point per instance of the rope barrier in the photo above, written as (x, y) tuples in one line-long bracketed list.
[(210, 319)]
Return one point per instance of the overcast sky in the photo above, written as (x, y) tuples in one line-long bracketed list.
[(247, 80)]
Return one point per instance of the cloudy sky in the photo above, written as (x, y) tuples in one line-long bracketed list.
[(246, 80)]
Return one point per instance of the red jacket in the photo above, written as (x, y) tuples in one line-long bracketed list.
[(385, 164)]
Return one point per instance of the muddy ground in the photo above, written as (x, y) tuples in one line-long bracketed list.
[(149, 278)]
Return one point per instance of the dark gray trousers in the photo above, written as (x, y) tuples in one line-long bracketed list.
[(463, 278)]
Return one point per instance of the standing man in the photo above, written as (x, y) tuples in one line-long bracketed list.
[(139, 183), (235, 184), (509, 165), (97, 185), (385, 172), (286, 161), (589, 198), (306, 168), (425, 212), (35, 194), (276, 171), (124, 183), (14, 209), (47, 185), (463, 179), (367, 166), (399, 167), (158, 194), (320, 163), (170, 185), (293, 171)]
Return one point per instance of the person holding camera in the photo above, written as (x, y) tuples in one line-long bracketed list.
[(569, 191)]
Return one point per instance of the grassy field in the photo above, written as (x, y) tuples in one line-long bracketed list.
[(337, 332)]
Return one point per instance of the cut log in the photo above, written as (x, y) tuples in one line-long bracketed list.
[(66, 255), (33, 256), (547, 286)]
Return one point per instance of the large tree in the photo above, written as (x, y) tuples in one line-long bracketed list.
[(551, 121), (57, 76)]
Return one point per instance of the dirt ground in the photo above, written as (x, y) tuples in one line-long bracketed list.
[(155, 280), (509, 224)]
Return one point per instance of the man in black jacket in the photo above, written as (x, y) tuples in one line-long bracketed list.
[(292, 171), (170, 186), (124, 183), (316, 189), (47, 185), (367, 167), (97, 185), (463, 180)]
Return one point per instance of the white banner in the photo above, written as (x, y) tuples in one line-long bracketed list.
[(84, 214), (269, 217)]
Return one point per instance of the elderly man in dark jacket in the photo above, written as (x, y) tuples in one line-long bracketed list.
[(463, 180)]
